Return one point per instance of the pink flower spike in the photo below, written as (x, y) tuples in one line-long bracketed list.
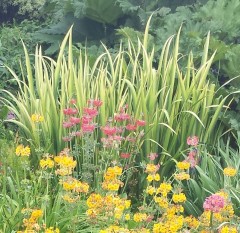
[(192, 141), (140, 122), (67, 124), (91, 111), (88, 128), (75, 120), (109, 130), (86, 119), (97, 103), (122, 117), (70, 111), (131, 127)]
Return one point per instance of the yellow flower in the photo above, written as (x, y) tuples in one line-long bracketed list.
[(182, 176), (150, 190), (164, 188), (52, 230), (46, 163), (229, 171), (127, 217), (36, 214), (151, 168), (37, 118), (228, 229), (183, 165), (22, 151), (139, 217), (177, 198), (156, 177)]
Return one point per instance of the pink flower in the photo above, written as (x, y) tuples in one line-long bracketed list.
[(67, 124), (122, 116), (73, 101), (140, 122), (125, 155), (193, 162), (192, 153), (97, 103), (118, 138), (76, 134), (88, 128), (67, 139), (192, 141), (152, 156), (91, 111), (109, 130), (130, 139), (214, 203), (131, 127), (70, 111), (75, 120), (86, 119)]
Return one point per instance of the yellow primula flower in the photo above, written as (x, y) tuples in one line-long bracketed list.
[(229, 171), (183, 165), (178, 198), (36, 118)]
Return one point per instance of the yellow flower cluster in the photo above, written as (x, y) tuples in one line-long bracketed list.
[(228, 229), (37, 118), (172, 225), (184, 165), (182, 176), (164, 188), (46, 163), (161, 201), (191, 222), (111, 181), (151, 168), (107, 206), (118, 229), (229, 171), (66, 164), (22, 151), (72, 184), (52, 230), (140, 217), (179, 198), (30, 222), (152, 177)]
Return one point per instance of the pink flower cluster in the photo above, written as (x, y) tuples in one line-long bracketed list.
[(214, 203), (122, 127), (86, 121), (119, 129)]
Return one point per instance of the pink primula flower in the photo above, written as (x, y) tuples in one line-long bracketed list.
[(192, 141), (108, 130), (214, 203)]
